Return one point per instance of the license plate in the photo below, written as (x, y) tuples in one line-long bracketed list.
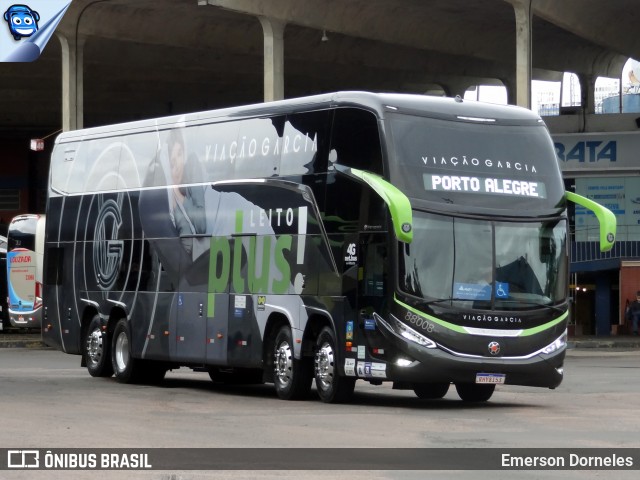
[(493, 378)]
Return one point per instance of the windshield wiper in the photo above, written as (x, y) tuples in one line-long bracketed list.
[(440, 300), (534, 304), (519, 302)]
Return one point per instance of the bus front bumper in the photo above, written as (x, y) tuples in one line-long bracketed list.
[(417, 363)]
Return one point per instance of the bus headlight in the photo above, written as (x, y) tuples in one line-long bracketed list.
[(557, 344), (403, 362), (411, 335)]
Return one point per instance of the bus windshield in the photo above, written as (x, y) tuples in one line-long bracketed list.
[(495, 166), (483, 264), (22, 231)]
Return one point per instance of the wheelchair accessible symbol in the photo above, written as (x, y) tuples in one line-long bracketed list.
[(502, 290)]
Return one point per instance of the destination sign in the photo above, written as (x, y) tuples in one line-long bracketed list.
[(487, 185)]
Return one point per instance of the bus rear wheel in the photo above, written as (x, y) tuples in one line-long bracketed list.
[(331, 387), (126, 368), (471, 392), (291, 377), (429, 391), (96, 350)]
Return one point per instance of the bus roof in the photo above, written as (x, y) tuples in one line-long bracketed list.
[(379, 103)]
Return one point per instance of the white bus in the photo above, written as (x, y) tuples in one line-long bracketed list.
[(25, 249)]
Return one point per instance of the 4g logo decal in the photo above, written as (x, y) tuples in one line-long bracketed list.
[(351, 257)]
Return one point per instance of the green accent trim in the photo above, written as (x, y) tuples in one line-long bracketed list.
[(398, 203), (540, 328), (457, 328), (606, 218), (211, 305), (282, 286), (239, 221), (219, 246)]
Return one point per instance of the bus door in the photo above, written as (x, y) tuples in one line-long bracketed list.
[(191, 306), (244, 342), (217, 306), (373, 285), (203, 302), (217, 309)]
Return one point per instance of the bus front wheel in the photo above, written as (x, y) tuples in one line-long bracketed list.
[(428, 391), (96, 350), (471, 392), (291, 377), (331, 387)]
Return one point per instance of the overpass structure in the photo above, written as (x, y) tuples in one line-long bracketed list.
[(119, 60)]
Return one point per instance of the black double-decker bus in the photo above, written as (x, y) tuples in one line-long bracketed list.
[(340, 237)]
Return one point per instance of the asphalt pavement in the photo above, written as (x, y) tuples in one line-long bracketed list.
[(17, 339)]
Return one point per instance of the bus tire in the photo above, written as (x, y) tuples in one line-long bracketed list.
[(430, 391), (291, 377), (471, 392), (126, 368), (331, 387), (96, 349)]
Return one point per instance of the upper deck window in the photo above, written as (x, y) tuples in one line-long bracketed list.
[(475, 163), (355, 140)]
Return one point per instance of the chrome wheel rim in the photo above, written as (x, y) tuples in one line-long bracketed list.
[(324, 366), (95, 347), (122, 352), (283, 364)]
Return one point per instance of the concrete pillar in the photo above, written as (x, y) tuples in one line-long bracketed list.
[(522, 9), (603, 304), (273, 31), (455, 87), (72, 82), (587, 93), (510, 85)]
